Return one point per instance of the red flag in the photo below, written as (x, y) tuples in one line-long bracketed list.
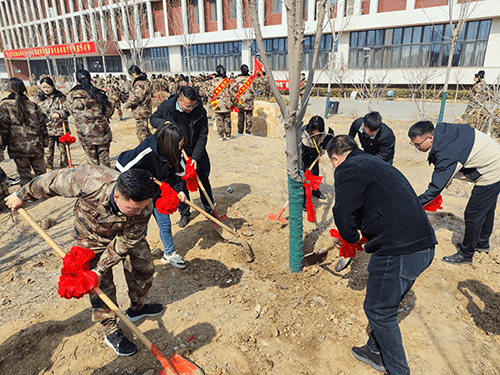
[(257, 67)]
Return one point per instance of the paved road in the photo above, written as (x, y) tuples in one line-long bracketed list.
[(395, 110)]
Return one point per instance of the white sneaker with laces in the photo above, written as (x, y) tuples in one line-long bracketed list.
[(174, 260)]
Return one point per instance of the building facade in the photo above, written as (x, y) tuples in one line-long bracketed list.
[(390, 40)]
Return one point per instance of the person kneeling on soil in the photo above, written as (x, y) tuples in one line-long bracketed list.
[(111, 215)]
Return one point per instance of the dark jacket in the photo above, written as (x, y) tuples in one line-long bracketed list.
[(374, 197), (148, 156), (458, 150), (194, 125), (381, 146)]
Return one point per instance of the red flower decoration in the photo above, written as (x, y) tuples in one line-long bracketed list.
[(76, 279), (311, 182), (348, 250), (169, 202), (190, 176), (67, 138), (435, 204)]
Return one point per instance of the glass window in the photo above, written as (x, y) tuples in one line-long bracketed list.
[(354, 39), (427, 35), (407, 35), (472, 29), (370, 38), (398, 33), (417, 35), (484, 30)]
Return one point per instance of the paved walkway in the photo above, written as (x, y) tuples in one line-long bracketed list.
[(395, 110)]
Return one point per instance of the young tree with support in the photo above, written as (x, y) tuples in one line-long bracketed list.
[(292, 113)]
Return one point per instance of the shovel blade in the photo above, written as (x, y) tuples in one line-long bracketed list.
[(182, 366), (277, 218)]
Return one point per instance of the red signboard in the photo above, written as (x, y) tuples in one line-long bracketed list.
[(282, 84), (59, 50)]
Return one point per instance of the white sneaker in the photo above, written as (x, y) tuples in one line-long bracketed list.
[(174, 260)]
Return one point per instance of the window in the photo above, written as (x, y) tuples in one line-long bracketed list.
[(196, 16), (419, 46), (153, 59), (232, 8), (276, 6), (206, 57), (3, 66), (213, 11), (66, 67)]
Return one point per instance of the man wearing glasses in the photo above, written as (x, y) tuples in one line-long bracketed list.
[(460, 151), (376, 138), (186, 110)]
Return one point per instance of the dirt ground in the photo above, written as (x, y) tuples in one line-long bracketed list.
[(236, 318)]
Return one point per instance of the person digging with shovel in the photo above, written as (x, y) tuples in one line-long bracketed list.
[(112, 212), (373, 197)]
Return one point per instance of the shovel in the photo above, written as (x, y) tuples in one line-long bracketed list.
[(320, 256), (223, 218), (175, 365), (278, 217)]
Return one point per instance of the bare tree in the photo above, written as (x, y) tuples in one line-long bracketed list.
[(458, 14), (340, 73), (458, 74), (376, 84), (133, 16), (418, 82), (291, 115)]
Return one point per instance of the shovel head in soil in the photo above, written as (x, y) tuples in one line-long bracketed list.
[(317, 257), (225, 220)]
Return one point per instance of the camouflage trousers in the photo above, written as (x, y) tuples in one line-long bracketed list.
[(118, 106), (142, 129), (139, 278), (25, 164), (97, 154), (4, 190), (49, 153), (223, 123), (245, 116)]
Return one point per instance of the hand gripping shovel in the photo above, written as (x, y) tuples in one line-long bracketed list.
[(278, 217), (175, 365), (223, 218)]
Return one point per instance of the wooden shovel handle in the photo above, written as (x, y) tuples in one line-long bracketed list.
[(96, 290)]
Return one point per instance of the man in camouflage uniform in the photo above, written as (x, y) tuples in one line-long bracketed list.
[(258, 85), (140, 102), (112, 212), (116, 97), (221, 102), (266, 86), (243, 95), (25, 140)]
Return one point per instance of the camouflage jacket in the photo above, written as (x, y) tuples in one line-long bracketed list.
[(50, 104), (22, 139), (479, 92), (248, 95), (115, 94), (303, 84), (91, 119), (224, 97), (139, 100), (97, 225)]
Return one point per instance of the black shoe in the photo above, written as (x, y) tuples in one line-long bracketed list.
[(485, 250), (120, 344), (318, 194), (183, 221), (147, 310), (364, 354), (457, 259)]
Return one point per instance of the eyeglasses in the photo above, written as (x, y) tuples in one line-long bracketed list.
[(187, 107), (417, 145)]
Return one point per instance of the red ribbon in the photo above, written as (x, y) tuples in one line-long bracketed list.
[(311, 182), (169, 202), (435, 204), (67, 138), (190, 176), (348, 250), (76, 279)]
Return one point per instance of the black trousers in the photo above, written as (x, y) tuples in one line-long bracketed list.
[(479, 218), (203, 176)]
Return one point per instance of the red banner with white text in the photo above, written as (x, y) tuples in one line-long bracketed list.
[(59, 50)]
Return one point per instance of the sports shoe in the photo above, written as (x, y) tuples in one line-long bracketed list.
[(13, 181), (147, 310), (120, 344), (364, 354), (174, 260), (457, 259), (248, 134), (184, 221), (238, 133)]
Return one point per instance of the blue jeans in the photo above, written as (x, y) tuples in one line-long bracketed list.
[(389, 279), (165, 227)]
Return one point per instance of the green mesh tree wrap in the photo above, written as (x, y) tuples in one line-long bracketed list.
[(295, 196)]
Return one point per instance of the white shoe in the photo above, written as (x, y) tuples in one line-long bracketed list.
[(174, 260)]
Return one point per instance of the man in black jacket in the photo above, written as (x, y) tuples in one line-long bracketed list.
[(373, 197), (375, 137), (460, 151), (186, 110)]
